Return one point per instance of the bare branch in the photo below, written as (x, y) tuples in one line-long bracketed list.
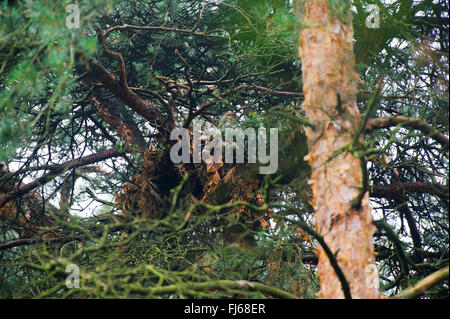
[(115, 55), (409, 122), (86, 160), (398, 188), (124, 93)]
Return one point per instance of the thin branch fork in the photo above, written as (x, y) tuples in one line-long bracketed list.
[(115, 55), (119, 86), (187, 74), (125, 94), (200, 110)]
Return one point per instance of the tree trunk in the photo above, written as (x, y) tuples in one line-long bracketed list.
[(329, 87)]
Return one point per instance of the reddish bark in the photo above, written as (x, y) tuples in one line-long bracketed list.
[(326, 51), (118, 119), (124, 93)]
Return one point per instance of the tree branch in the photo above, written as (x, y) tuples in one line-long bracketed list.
[(214, 285), (409, 122), (151, 28), (193, 115), (61, 240), (423, 285), (399, 188), (115, 55), (121, 121), (98, 73), (272, 91), (56, 171)]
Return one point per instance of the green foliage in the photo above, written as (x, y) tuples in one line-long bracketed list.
[(139, 257), (242, 54), (341, 8), (36, 61)]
